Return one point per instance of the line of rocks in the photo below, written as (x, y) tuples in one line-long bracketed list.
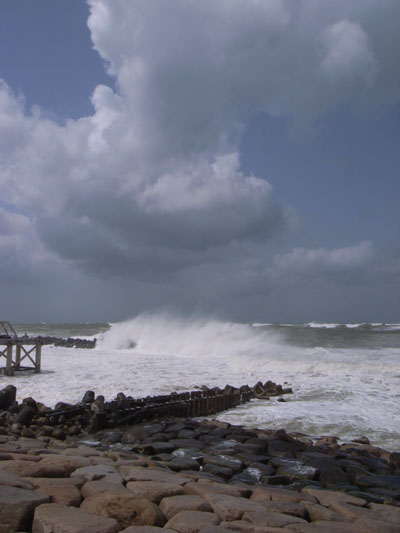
[(93, 413), (70, 342), (213, 478)]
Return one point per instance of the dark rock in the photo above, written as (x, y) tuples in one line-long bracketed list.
[(88, 397), (7, 396), (220, 471), (154, 448), (25, 416), (379, 481), (187, 443), (183, 463), (275, 480)]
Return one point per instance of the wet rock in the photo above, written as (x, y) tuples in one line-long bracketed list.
[(88, 397), (220, 471), (294, 470), (183, 463), (385, 482), (7, 396)]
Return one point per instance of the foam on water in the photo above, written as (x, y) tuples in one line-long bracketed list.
[(347, 390)]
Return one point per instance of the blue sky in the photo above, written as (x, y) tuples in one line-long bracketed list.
[(234, 159)]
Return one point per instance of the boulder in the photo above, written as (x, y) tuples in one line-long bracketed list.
[(62, 490), (95, 472), (7, 396), (264, 517), (137, 473), (327, 497), (92, 488), (154, 491), (268, 494), (203, 488), (13, 480), (128, 510), (17, 507), (56, 518), (231, 507), (192, 521), (176, 504)]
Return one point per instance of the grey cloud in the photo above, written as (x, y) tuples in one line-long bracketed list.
[(150, 187)]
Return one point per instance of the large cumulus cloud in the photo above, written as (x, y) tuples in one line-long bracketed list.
[(150, 187)]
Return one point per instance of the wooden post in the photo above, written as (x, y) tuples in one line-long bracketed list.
[(17, 356), (9, 364), (38, 358)]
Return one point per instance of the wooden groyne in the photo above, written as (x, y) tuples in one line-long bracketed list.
[(93, 413)]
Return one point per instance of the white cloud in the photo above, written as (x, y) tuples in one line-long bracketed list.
[(151, 185), (310, 261)]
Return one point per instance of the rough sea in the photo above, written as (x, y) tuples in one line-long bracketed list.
[(345, 377)]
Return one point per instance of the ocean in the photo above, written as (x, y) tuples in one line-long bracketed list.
[(345, 377)]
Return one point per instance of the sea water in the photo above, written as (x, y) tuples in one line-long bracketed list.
[(345, 377)]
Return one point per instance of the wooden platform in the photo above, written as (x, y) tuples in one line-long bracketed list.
[(16, 351)]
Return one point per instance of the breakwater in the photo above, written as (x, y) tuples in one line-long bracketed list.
[(93, 413)]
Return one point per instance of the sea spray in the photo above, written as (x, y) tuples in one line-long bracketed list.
[(346, 380)]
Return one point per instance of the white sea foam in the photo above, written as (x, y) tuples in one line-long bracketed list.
[(346, 391)]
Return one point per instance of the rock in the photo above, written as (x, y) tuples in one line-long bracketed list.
[(247, 527), (25, 416), (224, 461), (16, 508), (268, 494), (7, 396), (93, 473), (59, 465), (388, 513), (294, 509), (92, 488), (192, 521), (220, 471), (183, 463), (56, 518), (294, 469), (176, 504), (231, 507), (319, 512), (154, 491), (376, 526), (20, 468), (146, 529), (88, 397), (327, 497), (379, 481), (12, 480), (202, 489), (137, 473), (63, 490), (264, 517), (192, 444), (349, 511), (128, 510)]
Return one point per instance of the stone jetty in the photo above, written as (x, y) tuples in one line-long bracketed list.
[(186, 475)]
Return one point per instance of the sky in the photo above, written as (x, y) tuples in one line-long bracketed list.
[(229, 158)]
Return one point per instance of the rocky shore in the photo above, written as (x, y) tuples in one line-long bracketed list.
[(186, 475)]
